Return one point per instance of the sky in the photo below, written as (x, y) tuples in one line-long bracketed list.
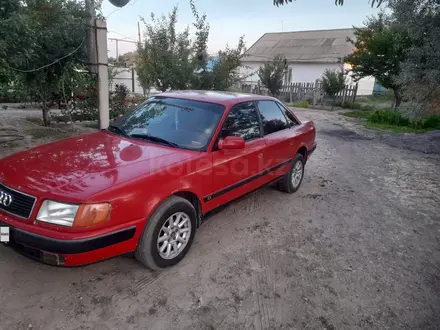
[(229, 19)]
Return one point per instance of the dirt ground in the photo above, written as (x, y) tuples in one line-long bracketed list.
[(358, 246)]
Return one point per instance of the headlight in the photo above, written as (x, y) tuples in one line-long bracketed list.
[(57, 213), (73, 215)]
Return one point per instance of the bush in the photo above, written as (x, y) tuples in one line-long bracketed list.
[(118, 101), (301, 104), (432, 122), (368, 107), (349, 105), (394, 118), (357, 114), (355, 106), (389, 118), (285, 98)]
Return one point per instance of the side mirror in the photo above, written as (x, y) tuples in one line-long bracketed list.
[(231, 142)]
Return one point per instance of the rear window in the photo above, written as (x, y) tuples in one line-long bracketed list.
[(272, 117), (290, 117)]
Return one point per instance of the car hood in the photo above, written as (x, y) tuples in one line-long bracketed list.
[(78, 167)]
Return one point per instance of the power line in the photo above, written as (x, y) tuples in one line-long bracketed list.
[(114, 11), (121, 35), (50, 64), (118, 9)]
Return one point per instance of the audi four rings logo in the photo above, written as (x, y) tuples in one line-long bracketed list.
[(5, 198)]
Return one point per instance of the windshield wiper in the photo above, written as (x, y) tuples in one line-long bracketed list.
[(155, 139), (117, 129)]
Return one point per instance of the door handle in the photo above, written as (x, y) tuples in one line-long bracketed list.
[(260, 155)]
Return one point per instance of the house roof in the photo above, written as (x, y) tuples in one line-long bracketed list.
[(302, 46)]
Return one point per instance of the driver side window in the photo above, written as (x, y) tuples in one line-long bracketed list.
[(242, 121)]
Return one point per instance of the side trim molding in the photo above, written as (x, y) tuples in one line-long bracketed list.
[(243, 182)]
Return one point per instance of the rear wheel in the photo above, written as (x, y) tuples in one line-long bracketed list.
[(291, 182), (168, 234)]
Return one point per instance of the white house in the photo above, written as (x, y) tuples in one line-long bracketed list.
[(308, 54)]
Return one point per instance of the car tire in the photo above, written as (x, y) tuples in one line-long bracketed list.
[(166, 219), (291, 182)]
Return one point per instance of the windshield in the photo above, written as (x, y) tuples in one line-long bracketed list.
[(182, 123)]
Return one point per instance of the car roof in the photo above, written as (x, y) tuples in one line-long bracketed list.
[(219, 97)]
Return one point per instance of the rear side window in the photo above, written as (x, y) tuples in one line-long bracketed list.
[(272, 117), (242, 121), (290, 117)]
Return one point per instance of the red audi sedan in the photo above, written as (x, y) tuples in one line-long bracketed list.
[(144, 184)]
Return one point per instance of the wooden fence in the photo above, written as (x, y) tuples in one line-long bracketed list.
[(313, 92)]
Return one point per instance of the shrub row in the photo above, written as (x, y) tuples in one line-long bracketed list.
[(395, 118)]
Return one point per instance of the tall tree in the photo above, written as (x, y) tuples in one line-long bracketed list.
[(172, 60), (40, 39), (380, 48), (166, 54), (420, 70), (225, 65), (271, 74)]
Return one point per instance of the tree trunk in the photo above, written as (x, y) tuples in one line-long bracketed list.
[(397, 98), (45, 108), (46, 119)]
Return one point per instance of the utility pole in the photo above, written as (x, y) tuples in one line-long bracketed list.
[(98, 57), (117, 51), (91, 37), (98, 61), (139, 34), (102, 64)]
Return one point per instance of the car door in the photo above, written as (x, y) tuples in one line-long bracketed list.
[(279, 137), (233, 170)]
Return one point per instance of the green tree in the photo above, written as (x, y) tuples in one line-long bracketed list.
[(271, 74), (165, 54), (172, 60), (333, 82), (420, 70), (337, 2), (40, 39), (380, 48), (221, 74), (225, 65)]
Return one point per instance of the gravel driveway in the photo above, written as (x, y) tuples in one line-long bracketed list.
[(356, 247)]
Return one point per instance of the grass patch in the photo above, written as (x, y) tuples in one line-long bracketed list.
[(396, 129), (348, 105), (357, 114), (301, 104), (396, 122), (35, 120), (387, 119)]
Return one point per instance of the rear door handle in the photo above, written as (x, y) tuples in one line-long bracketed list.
[(260, 155)]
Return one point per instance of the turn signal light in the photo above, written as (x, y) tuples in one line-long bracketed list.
[(92, 214)]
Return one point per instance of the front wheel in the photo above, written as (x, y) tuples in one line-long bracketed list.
[(168, 234), (291, 182)]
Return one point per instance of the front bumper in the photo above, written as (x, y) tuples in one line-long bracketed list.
[(71, 252)]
